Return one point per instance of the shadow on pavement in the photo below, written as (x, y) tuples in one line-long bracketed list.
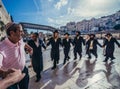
[(53, 78)]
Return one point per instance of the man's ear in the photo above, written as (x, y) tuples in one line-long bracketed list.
[(11, 33)]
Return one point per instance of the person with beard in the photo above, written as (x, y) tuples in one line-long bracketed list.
[(66, 45), (77, 42), (37, 58), (110, 47), (55, 41), (92, 46)]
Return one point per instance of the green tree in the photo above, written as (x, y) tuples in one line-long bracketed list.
[(117, 27)]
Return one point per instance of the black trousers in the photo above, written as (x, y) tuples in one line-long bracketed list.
[(109, 55), (79, 52), (94, 52), (55, 58), (24, 83), (66, 55), (38, 67), (37, 63), (51, 55)]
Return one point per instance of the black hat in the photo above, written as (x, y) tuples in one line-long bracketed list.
[(92, 35), (67, 34), (78, 32), (108, 34), (56, 31), (36, 34)]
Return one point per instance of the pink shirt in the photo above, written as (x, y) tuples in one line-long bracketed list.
[(12, 55)]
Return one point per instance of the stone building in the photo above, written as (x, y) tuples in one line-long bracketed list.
[(95, 24), (4, 19)]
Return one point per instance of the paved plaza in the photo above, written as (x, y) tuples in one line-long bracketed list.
[(79, 74)]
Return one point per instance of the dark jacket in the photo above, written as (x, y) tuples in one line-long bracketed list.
[(110, 46), (95, 43), (78, 43), (66, 44), (37, 58), (54, 47)]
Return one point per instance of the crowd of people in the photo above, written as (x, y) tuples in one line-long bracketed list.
[(56, 42), (12, 53)]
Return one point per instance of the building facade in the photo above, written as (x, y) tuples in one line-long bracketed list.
[(99, 24), (4, 19)]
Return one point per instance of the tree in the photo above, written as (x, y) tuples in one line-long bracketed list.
[(117, 27)]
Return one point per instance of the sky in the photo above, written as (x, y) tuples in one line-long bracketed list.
[(59, 12)]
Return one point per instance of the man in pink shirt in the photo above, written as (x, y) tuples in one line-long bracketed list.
[(12, 54)]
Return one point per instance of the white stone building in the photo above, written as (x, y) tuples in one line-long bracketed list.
[(4, 19), (102, 23), (71, 26)]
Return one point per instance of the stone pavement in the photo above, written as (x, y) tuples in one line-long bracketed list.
[(79, 74)]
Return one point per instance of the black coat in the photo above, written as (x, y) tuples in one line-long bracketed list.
[(110, 46), (66, 44), (37, 58), (54, 47), (95, 43), (78, 43)]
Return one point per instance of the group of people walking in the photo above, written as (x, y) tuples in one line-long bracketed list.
[(12, 54), (55, 42)]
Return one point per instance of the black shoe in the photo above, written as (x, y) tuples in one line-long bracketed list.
[(112, 58), (68, 57), (38, 79), (89, 57), (53, 68), (75, 58), (105, 61)]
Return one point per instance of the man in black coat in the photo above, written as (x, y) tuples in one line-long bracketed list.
[(37, 58), (110, 46), (86, 43), (55, 41), (77, 42), (92, 46), (66, 46)]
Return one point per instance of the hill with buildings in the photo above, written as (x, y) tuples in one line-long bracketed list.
[(104, 23)]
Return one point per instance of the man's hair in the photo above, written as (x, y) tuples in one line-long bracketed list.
[(56, 31), (79, 33), (11, 27), (92, 35), (36, 34)]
